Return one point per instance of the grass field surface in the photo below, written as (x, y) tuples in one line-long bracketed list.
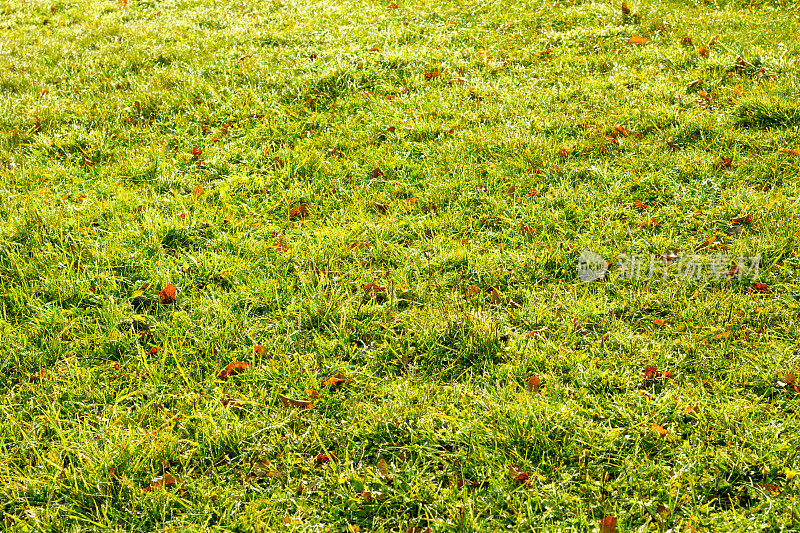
[(314, 266)]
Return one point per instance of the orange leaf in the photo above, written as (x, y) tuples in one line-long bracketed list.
[(650, 372), (625, 9), (472, 290), (237, 367), (533, 384), (260, 350), (311, 393), (383, 468), (659, 429), (198, 190), (526, 230), (793, 152), (451, 81), (703, 51), (298, 212), (335, 381), (41, 375), (658, 322), (160, 482), (639, 205), (495, 296), (759, 287), (649, 223), (295, 404), (431, 75), (374, 288), (608, 524), (167, 294), (393, 6), (742, 220), (196, 152), (638, 39)]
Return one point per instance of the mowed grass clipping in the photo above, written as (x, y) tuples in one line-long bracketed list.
[(312, 266)]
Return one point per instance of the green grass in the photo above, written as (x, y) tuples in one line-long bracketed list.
[(101, 106)]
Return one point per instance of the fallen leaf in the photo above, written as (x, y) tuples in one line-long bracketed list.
[(693, 409), (377, 173), (451, 81), (431, 75), (41, 375), (608, 524), (686, 41), (160, 482), (649, 224), (393, 6), (196, 152), (373, 288), (703, 51), (517, 475), (725, 162), (153, 351), (659, 429), (311, 393), (323, 458), (237, 367), (658, 322), (198, 190), (638, 39), (526, 230), (472, 290), (167, 295), (760, 288), (650, 372), (335, 381), (742, 220), (231, 403), (495, 296), (638, 204), (295, 404), (625, 9), (383, 468), (793, 152), (533, 384), (298, 212)]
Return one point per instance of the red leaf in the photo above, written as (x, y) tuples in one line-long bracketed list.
[(608, 524), (237, 367), (323, 458), (298, 212), (760, 288), (649, 223), (167, 295), (533, 384), (650, 372), (373, 288), (526, 230), (153, 351), (161, 482)]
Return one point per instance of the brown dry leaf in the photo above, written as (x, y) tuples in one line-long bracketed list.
[(533, 384), (516, 475), (323, 458), (431, 75), (41, 375), (295, 404), (725, 162), (526, 230), (160, 482), (406, 359), (298, 212), (659, 429), (638, 39), (237, 367), (742, 220), (760, 288), (377, 173), (686, 41), (418, 530), (231, 403), (650, 372), (608, 524), (167, 295), (703, 51), (495, 297), (196, 152), (649, 224), (311, 393), (472, 290), (373, 288), (693, 409), (625, 9), (383, 468), (335, 381)]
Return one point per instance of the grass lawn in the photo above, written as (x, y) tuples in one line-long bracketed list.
[(377, 212)]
